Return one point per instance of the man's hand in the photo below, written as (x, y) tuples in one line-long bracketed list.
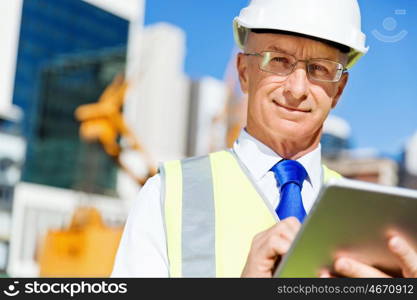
[(268, 246), (402, 250)]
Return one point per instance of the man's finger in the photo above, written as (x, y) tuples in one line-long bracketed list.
[(406, 254), (266, 248), (325, 273), (273, 242), (354, 269), (281, 247), (289, 226), (293, 224)]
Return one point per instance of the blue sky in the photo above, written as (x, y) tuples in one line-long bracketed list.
[(380, 101)]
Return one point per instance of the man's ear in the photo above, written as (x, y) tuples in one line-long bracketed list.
[(242, 69), (341, 86)]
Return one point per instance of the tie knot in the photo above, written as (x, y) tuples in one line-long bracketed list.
[(286, 171)]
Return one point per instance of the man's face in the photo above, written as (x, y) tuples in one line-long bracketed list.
[(293, 107)]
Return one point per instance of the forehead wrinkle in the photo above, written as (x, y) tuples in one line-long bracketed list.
[(280, 43)]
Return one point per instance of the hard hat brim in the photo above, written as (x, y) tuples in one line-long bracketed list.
[(241, 31)]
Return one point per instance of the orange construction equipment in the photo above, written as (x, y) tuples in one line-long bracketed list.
[(103, 122), (86, 249)]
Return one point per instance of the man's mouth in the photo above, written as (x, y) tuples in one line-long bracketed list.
[(291, 109)]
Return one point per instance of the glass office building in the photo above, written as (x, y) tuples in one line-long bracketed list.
[(69, 51)]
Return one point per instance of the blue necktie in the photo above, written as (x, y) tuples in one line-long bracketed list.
[(290, 176)]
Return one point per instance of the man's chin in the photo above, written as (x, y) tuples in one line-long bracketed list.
[(292, 131), (288, 128)]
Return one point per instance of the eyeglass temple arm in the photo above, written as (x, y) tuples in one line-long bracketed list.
[(252, 54)]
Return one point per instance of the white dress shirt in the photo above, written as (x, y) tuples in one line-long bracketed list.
[(143, 251)]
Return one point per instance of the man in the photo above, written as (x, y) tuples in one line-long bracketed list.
[(236, 212)]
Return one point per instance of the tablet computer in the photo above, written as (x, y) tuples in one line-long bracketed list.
[(352, 218)]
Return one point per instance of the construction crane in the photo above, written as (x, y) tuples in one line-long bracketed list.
[(103, 122)]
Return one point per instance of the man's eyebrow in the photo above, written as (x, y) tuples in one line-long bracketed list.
[(278, 49)]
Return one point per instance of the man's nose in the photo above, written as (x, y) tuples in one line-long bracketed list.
[(296, 84)]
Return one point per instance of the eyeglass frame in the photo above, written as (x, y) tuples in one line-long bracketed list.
[(306, 61)]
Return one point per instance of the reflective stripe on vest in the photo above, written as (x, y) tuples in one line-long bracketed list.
[(205, 235)]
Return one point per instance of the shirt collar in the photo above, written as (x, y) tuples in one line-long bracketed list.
[(259, 158)]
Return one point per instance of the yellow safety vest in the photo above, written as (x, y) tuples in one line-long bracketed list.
[(212, 211)]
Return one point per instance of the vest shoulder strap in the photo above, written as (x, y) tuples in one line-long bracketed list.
[(189, 212), (329, 174)]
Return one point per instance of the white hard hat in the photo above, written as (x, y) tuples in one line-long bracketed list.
[(338, 21)]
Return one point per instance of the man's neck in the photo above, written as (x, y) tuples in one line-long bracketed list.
[(287, 148)]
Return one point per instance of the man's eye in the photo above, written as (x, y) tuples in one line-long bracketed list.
[(318, 68), (280, 59)]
